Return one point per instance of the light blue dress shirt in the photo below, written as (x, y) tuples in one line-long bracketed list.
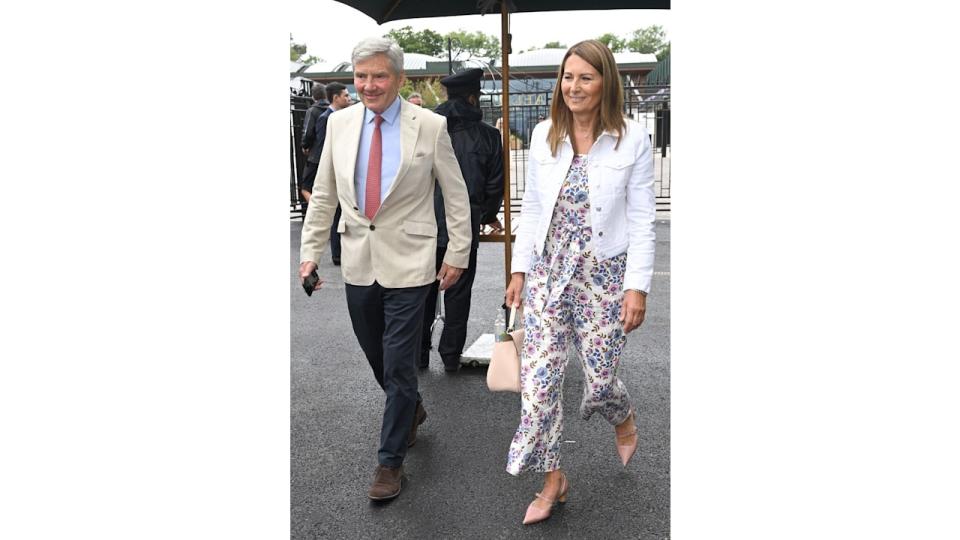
[(390, 164)]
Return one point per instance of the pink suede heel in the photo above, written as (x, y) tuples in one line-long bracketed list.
[(626, 451), (536, 514)]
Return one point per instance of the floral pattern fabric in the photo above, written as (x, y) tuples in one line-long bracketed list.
[(571, 299)]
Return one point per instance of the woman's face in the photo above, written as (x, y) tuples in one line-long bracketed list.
[(581, 86)]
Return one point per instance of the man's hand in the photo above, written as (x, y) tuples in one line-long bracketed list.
[(306, 268), (306, 194), (632, 310), (515, 289), (448, 275)]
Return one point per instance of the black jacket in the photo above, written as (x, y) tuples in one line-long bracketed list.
[(479, 151), (308, 139)]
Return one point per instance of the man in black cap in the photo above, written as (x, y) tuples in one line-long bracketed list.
[(480, 152)]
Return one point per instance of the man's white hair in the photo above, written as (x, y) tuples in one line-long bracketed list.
[(378, 45)]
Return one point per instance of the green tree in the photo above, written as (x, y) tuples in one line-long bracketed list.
[(298, 53), (477, 44), (423, 42), (613, 42), (429, 89), (647, 40), (554, 45), (665, 52)]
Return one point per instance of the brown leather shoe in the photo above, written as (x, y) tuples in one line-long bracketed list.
[(418, 417), (386, 483)]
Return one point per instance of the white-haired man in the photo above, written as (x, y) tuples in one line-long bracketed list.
[(385, 188)]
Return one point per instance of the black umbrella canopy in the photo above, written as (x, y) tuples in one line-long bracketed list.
[(393, 10)]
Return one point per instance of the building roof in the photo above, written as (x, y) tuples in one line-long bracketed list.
[(411, 62), (553, 57), (322, 67), (533, 62)]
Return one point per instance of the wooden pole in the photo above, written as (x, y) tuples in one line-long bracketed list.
[(505, 105)]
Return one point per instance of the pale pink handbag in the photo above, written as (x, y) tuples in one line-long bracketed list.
[(503, 375)]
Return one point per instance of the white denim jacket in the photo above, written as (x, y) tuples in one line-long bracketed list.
[(622, 204)]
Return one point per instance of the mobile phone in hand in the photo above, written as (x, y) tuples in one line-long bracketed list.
[(310, 282)]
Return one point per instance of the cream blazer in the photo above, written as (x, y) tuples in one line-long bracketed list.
[(622, 202), (398, 248)]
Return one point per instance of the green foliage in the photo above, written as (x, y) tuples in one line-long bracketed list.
[(429, 89), (423, 42), (647, 40), (613, 42), (406, 89), (554, 45), (463, 44), (475, 44), (298, 53), (664, 53)]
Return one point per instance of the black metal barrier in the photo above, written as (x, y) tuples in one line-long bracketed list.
[(298, 111)]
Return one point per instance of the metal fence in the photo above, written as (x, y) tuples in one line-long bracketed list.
[(649, 105), (298, 111)]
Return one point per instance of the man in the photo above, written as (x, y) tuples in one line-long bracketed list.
[(308, 140), (416, 99), (339, 99), (480, 152), (379, 162)]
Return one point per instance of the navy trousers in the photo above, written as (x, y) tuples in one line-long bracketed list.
[(387, 323)]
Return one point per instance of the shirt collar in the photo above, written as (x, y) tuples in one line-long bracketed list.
[(389, 115), (607, 132)]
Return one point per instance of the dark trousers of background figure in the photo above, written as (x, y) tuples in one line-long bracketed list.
[(310, 171), (456, 307), (335, 237), (387, 325)]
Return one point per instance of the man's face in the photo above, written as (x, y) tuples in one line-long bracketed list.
[(377, 84), (342, 100), (416, 100)]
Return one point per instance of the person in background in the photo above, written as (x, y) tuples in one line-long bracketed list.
[(339, 99), (308, 140), (416, 99), (379, 162), (480, 154), (584, 256)]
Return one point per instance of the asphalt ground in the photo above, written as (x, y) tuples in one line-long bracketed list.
[(456, 485)]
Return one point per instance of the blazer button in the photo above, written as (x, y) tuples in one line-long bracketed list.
[(601, 232), (599, 209), (372, 228)]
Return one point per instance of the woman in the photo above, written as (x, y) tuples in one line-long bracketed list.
[(586, 239)]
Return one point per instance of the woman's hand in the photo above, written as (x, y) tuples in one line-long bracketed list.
[(514, 290), (632, 310)]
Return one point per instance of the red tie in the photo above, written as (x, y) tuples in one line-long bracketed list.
[(372, 199)]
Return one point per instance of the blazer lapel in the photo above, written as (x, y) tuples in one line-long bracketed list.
[(409, 132), (351, 138)]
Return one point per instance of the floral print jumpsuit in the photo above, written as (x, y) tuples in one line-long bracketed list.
[(571, 299)]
